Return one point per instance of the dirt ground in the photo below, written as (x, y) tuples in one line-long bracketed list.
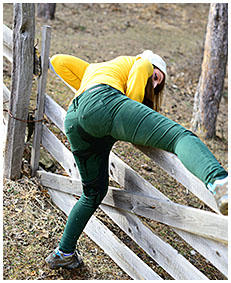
[(99, 32)]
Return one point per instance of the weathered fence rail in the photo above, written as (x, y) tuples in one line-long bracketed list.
[(205, 231)]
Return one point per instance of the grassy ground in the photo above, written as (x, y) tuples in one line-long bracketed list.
[(97, 32)]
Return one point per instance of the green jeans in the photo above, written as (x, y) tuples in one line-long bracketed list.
[(101, 116)]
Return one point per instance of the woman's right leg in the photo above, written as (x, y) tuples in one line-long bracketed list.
[(136, 123)]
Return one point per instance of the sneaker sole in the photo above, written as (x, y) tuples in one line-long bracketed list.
[(67, 266)]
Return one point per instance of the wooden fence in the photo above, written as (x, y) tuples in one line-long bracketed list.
[(206, 232)]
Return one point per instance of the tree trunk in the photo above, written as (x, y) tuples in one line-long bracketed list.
[(46, 10), (22, 75), (209, 90)]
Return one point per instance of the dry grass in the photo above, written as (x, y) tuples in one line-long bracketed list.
[(33, 227)]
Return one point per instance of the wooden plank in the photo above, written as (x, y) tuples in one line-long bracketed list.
[(8, 53), (189, 219), (175, 264), (60, 183), (58, 150), (8, 43), (103, 237), (6, 99), (35, 152), (7, 37), (22, 75), (172, 165), (55, 112), (213, 251), (164, 254), (119, 252), (196, 221), (6, 94)]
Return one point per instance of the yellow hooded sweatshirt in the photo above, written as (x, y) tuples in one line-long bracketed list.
[(128, 74)]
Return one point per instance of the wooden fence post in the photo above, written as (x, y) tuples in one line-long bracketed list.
[(35, 152), (22, 75)]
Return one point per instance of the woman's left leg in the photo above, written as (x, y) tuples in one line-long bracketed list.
[(91, 155), (93, 167)]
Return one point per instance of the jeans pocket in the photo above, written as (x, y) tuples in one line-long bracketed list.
[(91, 108), (95, 118)]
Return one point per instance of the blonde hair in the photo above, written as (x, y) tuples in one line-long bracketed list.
[(154, 97), (158, 99)]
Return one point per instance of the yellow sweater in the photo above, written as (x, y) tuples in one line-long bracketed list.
[(125, 73)]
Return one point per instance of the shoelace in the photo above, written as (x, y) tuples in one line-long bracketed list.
[(57, 252)]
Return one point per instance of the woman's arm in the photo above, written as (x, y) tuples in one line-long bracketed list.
[(69, 68), (137, 79)]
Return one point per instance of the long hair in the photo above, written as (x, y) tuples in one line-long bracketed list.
[(153, 97)]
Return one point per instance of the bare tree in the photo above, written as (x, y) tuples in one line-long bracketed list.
[(209, 90), (46, 10)]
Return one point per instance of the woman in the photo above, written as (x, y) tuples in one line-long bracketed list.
[(120, 100)]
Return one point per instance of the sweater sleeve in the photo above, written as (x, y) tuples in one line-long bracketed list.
[(69, 68), (138, 76)]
